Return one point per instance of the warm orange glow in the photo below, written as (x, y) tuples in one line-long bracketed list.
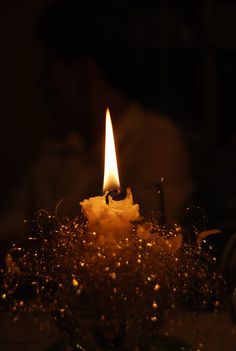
[(111, 175)]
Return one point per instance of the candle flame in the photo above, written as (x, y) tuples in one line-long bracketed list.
[(111, 175)]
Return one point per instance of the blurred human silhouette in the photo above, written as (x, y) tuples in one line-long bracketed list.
[(90, 58)]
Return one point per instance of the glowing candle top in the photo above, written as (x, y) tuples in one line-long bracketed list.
[(110, 219), (111, 175)]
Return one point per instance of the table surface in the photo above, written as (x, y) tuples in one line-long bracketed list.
[(208, 331)]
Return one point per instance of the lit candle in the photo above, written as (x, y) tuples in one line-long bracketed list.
[(109, 218)]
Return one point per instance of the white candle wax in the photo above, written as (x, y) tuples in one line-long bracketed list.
[(113, 220)]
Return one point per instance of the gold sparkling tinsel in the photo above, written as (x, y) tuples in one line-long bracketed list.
[(85, 286)]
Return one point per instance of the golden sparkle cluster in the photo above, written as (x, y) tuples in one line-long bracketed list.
[(136, 282)]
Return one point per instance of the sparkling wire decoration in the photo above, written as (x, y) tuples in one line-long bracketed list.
[(110, 296)]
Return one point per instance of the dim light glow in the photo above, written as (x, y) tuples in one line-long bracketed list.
[(111, 175)]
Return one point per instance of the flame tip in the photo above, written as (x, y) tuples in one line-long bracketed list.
[(108, 112)]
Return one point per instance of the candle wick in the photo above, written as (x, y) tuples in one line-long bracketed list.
[(114, 194)]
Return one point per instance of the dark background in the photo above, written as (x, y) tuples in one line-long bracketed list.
[(191, 53)]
